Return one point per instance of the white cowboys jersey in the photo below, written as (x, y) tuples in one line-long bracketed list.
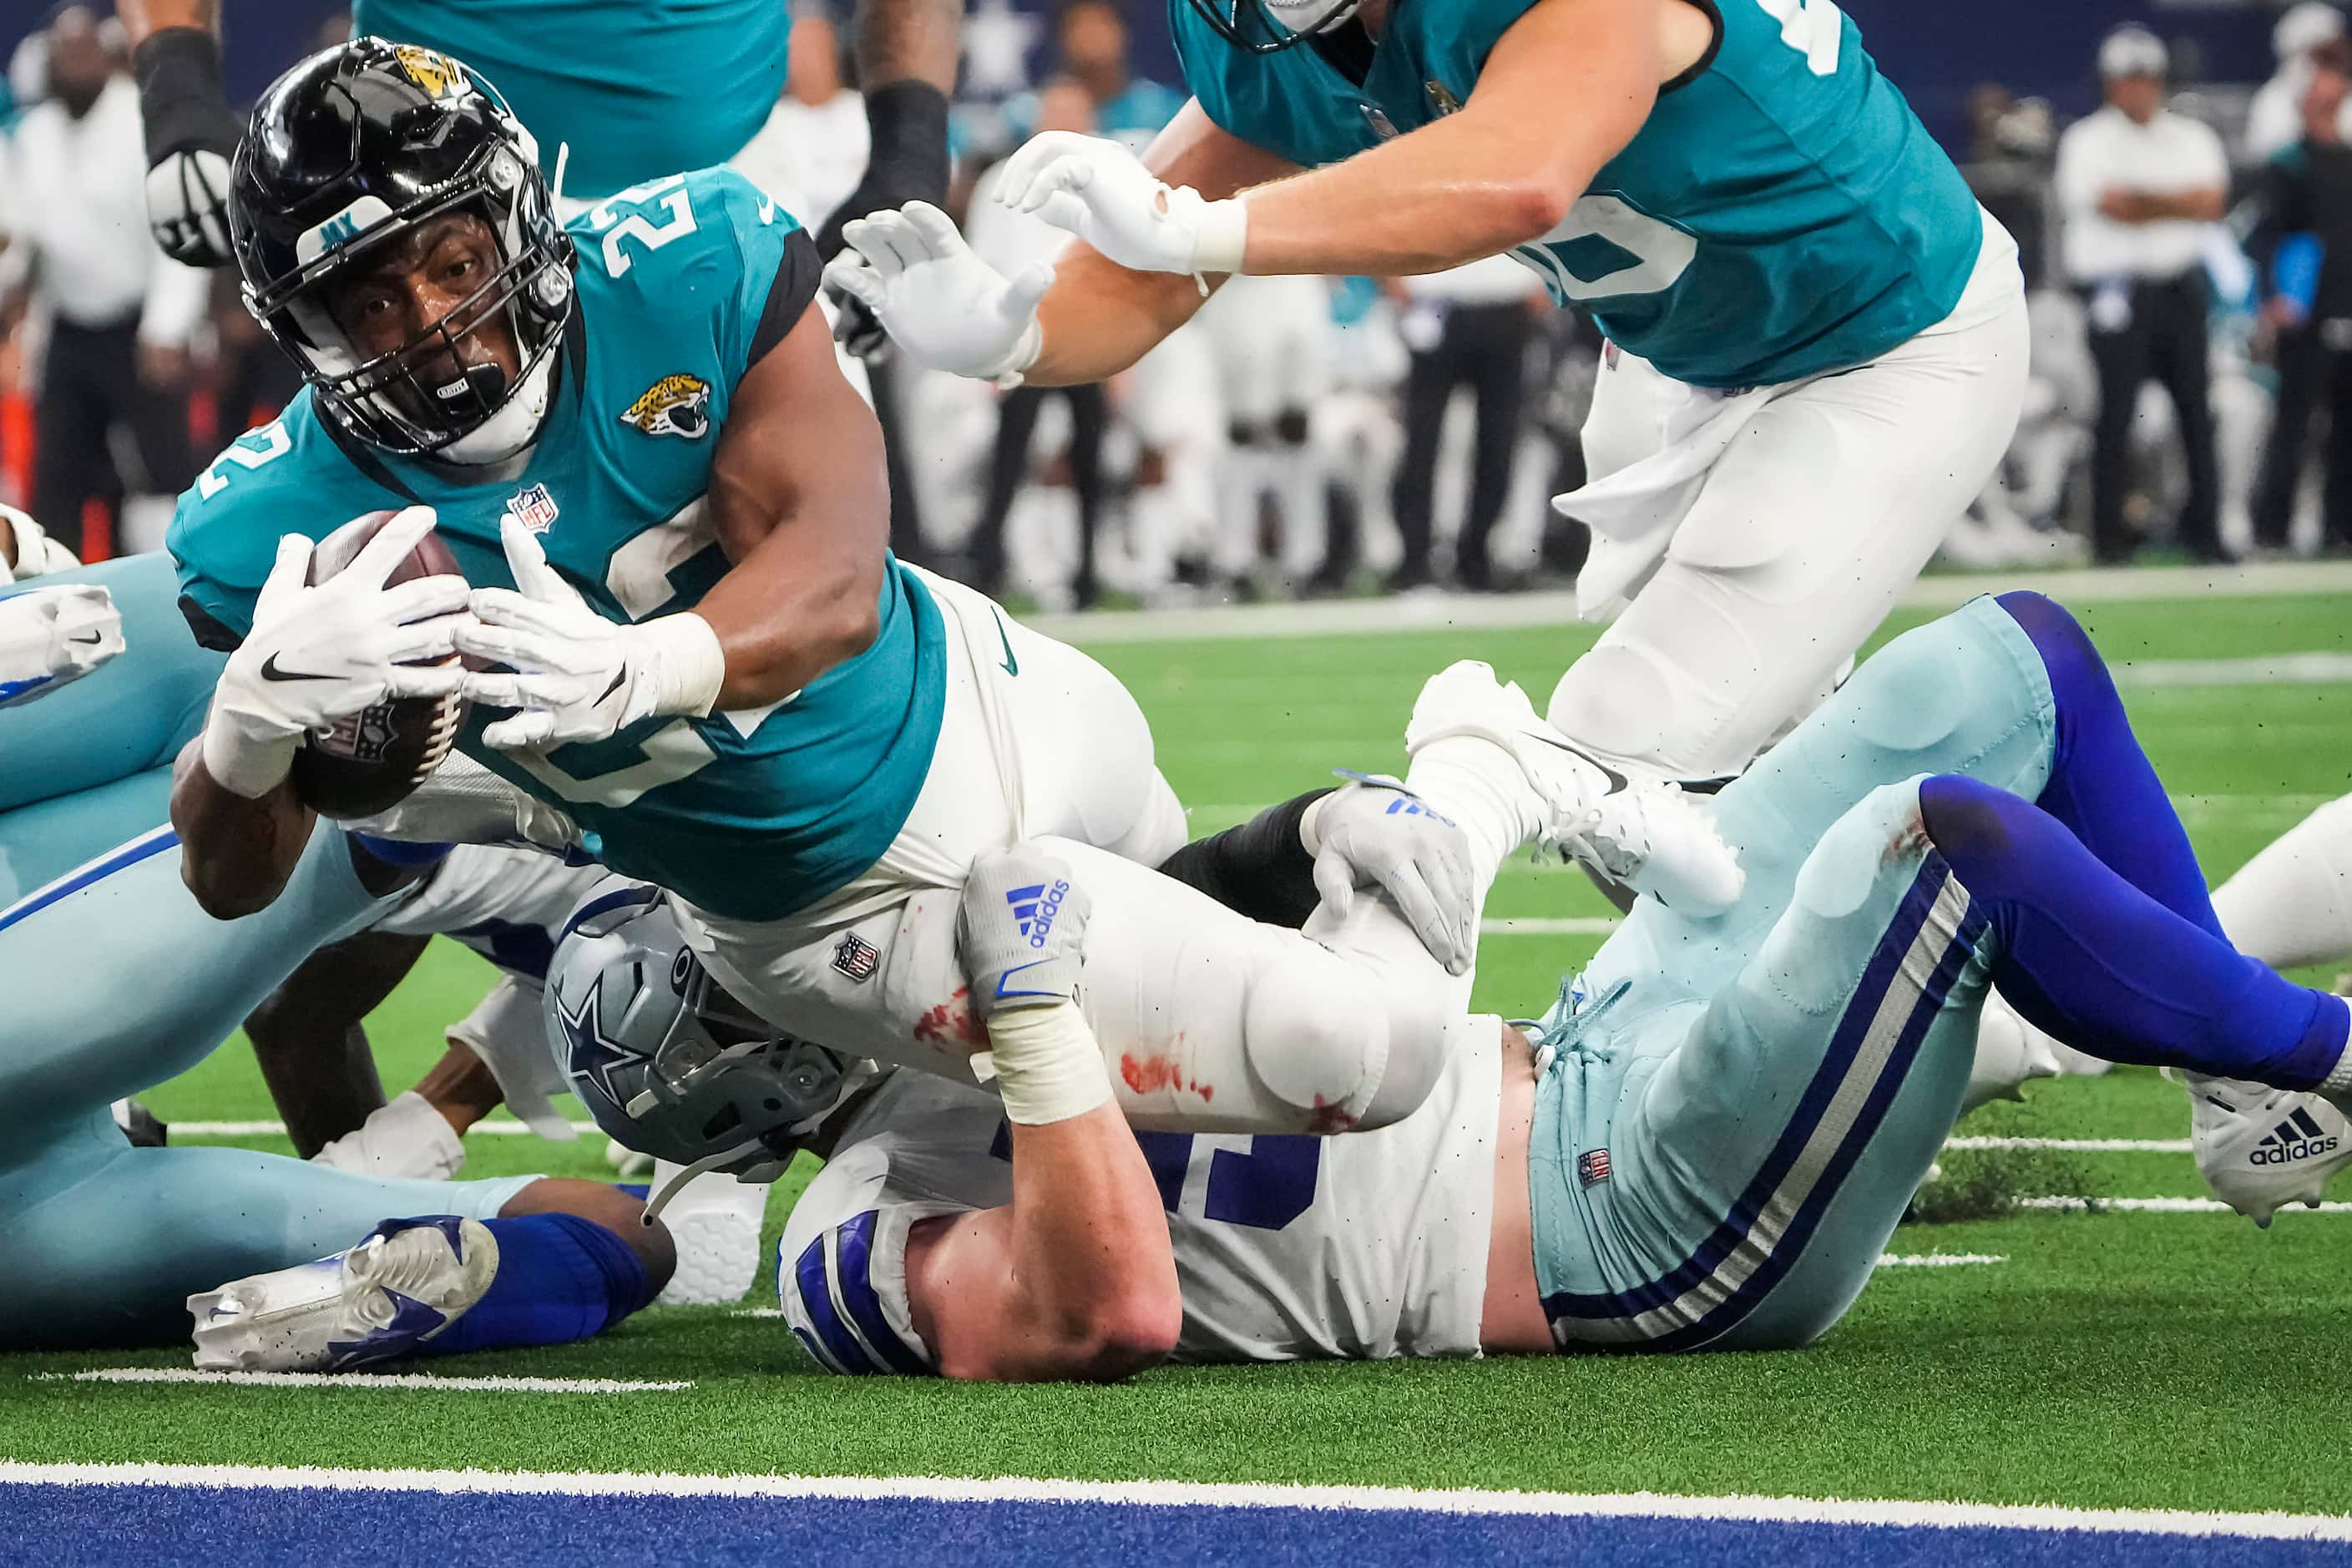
[(1363, 1246)]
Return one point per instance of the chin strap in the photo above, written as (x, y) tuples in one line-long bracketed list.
[(703, 1166)]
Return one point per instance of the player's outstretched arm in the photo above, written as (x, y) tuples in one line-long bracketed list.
[(1075, 1278), (1561, 93), (908, 51), (192, 132)]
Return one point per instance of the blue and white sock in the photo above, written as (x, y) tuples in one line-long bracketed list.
[(560, 1279)]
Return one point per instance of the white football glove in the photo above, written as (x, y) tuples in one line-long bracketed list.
[(187, 207), (37, 554), (1100, 191), (1375, 833), (574, 675), (50, 637), (941, 303), (318, 655)]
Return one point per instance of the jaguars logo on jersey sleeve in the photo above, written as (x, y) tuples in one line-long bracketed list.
[(677, 404)]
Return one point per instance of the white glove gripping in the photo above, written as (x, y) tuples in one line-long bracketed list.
[(50, 637), (1023, 929), (37, 554), (1098, 190), (574, 675), (318, 655), (1375, 833), (940, 302)]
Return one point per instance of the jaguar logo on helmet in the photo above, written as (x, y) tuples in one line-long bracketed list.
[(675, 406), (437, 74)]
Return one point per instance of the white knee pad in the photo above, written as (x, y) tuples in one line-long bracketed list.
[(1352, 1046)]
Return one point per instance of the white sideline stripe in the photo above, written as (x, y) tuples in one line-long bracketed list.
[(361, 1381), (1199, 1494), (1222, 623), (1578, 925), (274, 1129), (1937, 1259), (2079, 1145), (2162, 1206), (2256, 669)]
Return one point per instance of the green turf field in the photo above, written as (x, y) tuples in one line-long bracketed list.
[(2100, 1359)]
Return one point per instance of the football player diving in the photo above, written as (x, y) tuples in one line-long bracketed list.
[(669, 514), (117, 981), (1816, 338), (1704, 1142)]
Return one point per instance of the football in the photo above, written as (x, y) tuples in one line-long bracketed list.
[(372, 760)]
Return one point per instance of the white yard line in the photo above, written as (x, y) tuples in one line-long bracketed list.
[(1483, 612), (362, 1381), (278, 1129), (2161, 1205), (2079, 1145), (1194, 1494), (1937, 1259), (1594, 925)]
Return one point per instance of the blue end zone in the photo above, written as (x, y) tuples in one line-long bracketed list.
[(78, 1525)]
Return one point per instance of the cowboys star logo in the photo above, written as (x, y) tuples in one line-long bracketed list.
[(437, 74), (675, 406), (590, 1055)]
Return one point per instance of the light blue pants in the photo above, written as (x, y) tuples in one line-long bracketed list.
[(1742, 1107), (111, 981), (90, 767)]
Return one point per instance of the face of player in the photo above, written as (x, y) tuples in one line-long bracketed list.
[(78, 66), (404, 288), (1094, 40)]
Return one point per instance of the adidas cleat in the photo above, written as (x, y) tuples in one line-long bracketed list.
[(401, 1287), (2262, 1149), (1650, 837)]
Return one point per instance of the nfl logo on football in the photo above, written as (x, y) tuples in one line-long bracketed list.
[(534, 508)]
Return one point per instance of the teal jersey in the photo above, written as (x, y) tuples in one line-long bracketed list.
[(749, 814), (638, 89), (1782, 212)]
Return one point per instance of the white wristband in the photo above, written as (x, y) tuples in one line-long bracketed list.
[(245, 758), (1049, 1067), (688, 665), (1223, 238)]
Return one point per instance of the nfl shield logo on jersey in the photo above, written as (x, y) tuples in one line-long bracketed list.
[(534, 508), (856, 957)]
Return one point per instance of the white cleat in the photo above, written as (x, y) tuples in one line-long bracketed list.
[(2263, 1149), (2010, 1054), (1650, 837), (715, 1222), (403, 1286)]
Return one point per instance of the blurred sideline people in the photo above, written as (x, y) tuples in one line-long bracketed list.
[(2303, 243), (2141, 190), (1271, 340), (1467, 330), (2274, 119), (114, 317), (1014, 243)]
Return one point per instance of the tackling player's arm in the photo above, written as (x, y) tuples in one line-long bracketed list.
[(309, 1037), (191, 131), (1076, 1278), (908, 51)]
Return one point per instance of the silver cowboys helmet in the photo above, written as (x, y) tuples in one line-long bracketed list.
[(666, 1060)]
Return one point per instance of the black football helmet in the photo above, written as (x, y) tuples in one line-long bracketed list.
[(353, 147), (1270, 27)]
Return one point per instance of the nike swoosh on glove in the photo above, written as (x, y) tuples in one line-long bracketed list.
[(316, 654), (1098, 190), (52, 636), (941, 303), (572, 675)]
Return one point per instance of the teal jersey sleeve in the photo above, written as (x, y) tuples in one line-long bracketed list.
[(1782, 212), (636, 88), (683, 284)]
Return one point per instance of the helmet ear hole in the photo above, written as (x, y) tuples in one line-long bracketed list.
[(725, 1121)]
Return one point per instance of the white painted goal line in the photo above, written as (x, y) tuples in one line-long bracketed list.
[(1195, 1494)]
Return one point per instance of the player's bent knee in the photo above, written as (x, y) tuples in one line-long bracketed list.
[(1313, 1035), (1622, 701), (619, 1212), (2078, 673)]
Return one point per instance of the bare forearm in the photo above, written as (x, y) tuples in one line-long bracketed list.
[(1099, 318), (236, 853), (902, 40), (2186, 206), (1090, 1237)]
